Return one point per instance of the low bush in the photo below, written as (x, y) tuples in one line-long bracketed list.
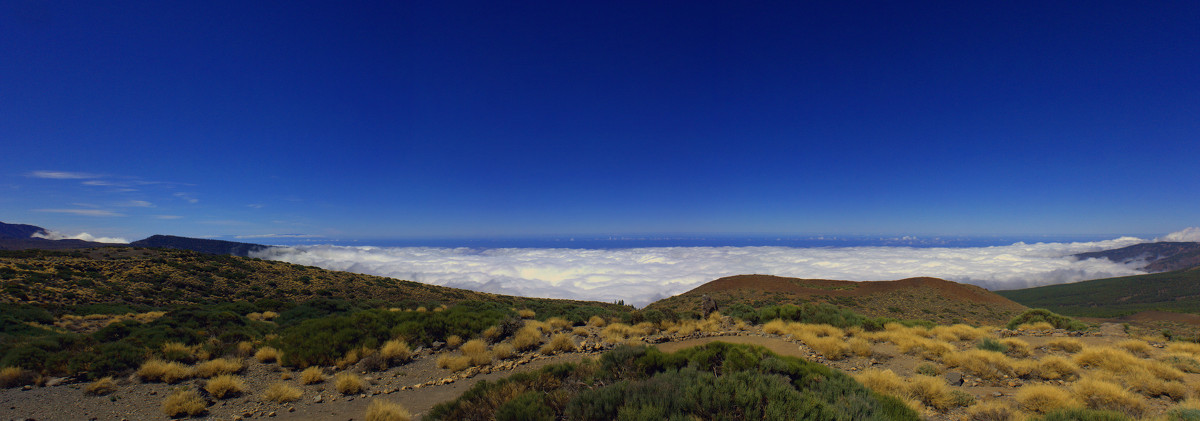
[(1057, 321), (476, 351), (267, 354), (927, 369), (1105, 396), (348, 383), (225, 386), (312, 375), (527, 338), (184, 402), (384, 410), (453, 341), (101, 387), (218, 367), (161, 371), (526, 313), (503, 351), (559, 343), (1081, 414), (989, 344), (1043, 398), (15, 376), (395, 352), (596, 321), (281, 392), (454, 362)]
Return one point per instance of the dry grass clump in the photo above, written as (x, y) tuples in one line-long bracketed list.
[(15, 376), (923, 390), (351, 358), (981, 363), (1111, 359), (1105, 396), (1035, 326), (1043, 398), (1066, 345), (859, 346), (931, 391), (958, 332), (395, 351), (348, 383), (1016, 347), (912, 341), (526, 313), (527, 338), (1182, 361), (218, 367), (775, 327), (281, 392), (1056, 368), (454, 362), (558, 323), (453, 341), (267, 354), (1148, 383), (616, 332), (581, 331), (1149, 377), (818, 330), (491, 334), (1136, 347), (596, 321), (830, 347), (1184, 347), (477, 351), (157, 370), (383, 410), (225, 386), (503, 351), (883, 381), (991, 411), (101, 387), (559, 343), (312, 375), (244, 349), (184, 402), (176, 351)]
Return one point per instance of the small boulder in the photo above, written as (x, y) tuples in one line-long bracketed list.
[(954, 378)]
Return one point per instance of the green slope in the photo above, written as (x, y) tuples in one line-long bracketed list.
[(1177, 291)]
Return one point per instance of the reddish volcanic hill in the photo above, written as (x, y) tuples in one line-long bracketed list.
[(917, 298)]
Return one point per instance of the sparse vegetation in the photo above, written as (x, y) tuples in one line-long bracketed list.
[(184, 402), (385, 410), (348, 383), (101, 387), (559, 343), (161, 371), (281, 392), (312, 375), (1039, 315), (1043, 398), (267, 354), (217, 367), (225, 386)]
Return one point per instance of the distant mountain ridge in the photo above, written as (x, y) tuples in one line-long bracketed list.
[(1177, 291), (21, 231), (20, 237), (1163, 256), (199, 245)]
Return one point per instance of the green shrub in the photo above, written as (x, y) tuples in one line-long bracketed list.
[(1042, 315), (1080, 414), (529, 406)]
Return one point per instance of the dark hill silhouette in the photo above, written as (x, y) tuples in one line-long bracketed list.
[(1163, 256), (1177, 291), (20, 237), (199, 245), (19, 230), (924, 298)]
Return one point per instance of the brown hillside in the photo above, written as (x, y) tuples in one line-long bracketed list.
[(913, 298)]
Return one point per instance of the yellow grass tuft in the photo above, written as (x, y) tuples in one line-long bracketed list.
[(184, 402), (526, 338), (1016, 347), (981, 363), (991, 411), (830, 347), (382, 410), (882, 381), (453, 341), (15, 376), (176, 351), (352, 356), (267, 354), (395, 351), (526, 313), (559, 343), (312, 375), (503, 351), (1136, 347), (157, 370), (1042, 398), (581, 331), (101, 387), (281, 392), (453, 362), (491, 334), (931, 391), (1056, 368), (218, 367), (1106, 396), (1065, 344), (348, 383), (859, 346), (477, 351), (775, 327), (596, 321), (1184, 347), (244, 349), (1035, 326), (225, 386), (1111, 359), (1182, 361), (958, 332), (558, 323)]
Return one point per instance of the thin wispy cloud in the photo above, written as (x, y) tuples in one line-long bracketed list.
[(280, 236), (188, 197), (137, 204), (255, 206), (640, 276), (54, 235), (62, 175), (168, 216), (82, 212)]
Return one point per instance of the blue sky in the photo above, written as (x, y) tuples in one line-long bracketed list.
[(483, 119)]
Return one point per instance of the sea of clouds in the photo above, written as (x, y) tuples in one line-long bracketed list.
[(642, 275)]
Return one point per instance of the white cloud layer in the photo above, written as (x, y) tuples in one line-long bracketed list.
[(643, 275), (54, 235), (1187, 234)]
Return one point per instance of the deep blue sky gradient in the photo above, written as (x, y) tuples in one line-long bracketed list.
[(479, 119)]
